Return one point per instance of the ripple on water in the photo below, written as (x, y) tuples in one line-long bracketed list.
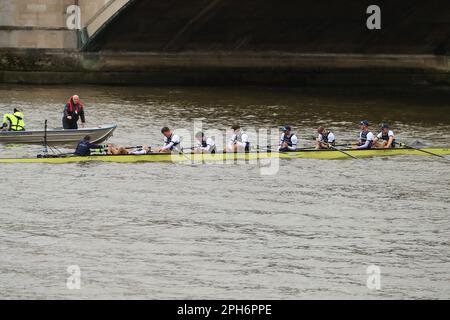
[(157, 230)]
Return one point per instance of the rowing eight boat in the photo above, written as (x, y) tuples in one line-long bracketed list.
[(224, 157)]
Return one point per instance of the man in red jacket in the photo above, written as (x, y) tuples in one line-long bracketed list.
[(73, 111)]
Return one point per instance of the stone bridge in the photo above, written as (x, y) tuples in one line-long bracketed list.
[(263, 41)]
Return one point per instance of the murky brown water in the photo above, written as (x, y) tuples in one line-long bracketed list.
[(161, 230)]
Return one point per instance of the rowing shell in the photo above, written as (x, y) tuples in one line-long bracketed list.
[(226, 157)]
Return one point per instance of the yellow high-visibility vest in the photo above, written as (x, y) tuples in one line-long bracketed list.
[(14, 121)]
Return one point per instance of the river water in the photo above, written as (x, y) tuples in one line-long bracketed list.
[(164, 230)]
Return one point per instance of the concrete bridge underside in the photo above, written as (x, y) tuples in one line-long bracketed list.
[(294, 42), (303, 26)]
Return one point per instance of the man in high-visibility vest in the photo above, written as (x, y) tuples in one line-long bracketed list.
[(13, 122)]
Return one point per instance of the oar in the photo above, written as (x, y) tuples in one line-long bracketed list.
[(184, 155), (263, 148), (421, 150), (135, 147), (346, 153), (257, 147), (343, 144)]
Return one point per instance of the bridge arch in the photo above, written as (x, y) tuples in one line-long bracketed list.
[(298, 26), (94, 27)]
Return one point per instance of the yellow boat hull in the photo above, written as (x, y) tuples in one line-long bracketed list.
[(232, 157)]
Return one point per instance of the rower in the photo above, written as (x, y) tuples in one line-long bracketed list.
[(73, 111), (137, 151), (365, 136), (13, 122), (385, 139), (325, 139), (239, 140), (171, 141), (207, 145), (288, 140), (84, 147)]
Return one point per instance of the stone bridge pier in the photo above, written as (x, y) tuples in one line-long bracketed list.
[(52, 24)]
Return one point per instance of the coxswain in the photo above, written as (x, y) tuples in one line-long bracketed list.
[(84, 147), (13, 122), (171, 141), (385, 139), (365, 136), (73, 111), (325, 138), (239, 141), (207, 145), (288, 140)]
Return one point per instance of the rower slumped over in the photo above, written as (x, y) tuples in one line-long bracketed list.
[(136, 151), (207, 145)]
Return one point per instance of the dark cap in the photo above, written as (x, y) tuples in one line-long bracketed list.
[(384, 126), (286, 128), (364, 123), (16, 110)]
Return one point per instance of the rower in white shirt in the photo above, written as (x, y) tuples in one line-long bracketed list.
[(325, 138), (365, 136), (288, 140), (385, 139), (207, 145), (171, 141), (239, 141)]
